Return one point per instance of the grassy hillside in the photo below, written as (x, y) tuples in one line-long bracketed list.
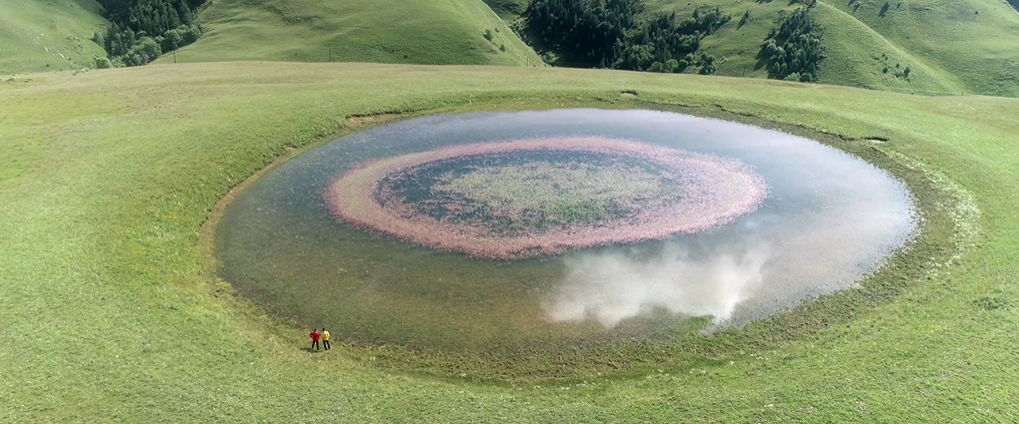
[(949, 47), (953, 47), (48, 35), (108, 315), (855, 51), (975, 41), (386, 31)]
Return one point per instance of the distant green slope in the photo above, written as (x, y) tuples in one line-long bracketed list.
[(977, 41), (386, 31), (949, 46), (41, 35)]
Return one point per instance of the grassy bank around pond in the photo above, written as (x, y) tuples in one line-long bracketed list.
[(108, 177)]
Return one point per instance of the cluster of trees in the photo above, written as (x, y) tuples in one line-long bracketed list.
[(141, 30), (793, 52), (619, 34), (899, 72)]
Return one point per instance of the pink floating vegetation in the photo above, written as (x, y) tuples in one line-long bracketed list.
[(716, 191)]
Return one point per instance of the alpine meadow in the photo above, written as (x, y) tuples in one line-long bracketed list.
[(509, 211)]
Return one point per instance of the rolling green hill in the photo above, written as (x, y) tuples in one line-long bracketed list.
[(386, 31), (975, 41), (42, 35), (949, 47)]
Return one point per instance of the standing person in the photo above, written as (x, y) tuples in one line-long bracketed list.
[(314, 338), (325, 339)]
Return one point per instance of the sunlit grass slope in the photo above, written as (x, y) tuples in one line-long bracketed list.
[(950, 47), (386, 31), (108, 176), (975, 40), (48, 35)]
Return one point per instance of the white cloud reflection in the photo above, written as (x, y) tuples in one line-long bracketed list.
[(612, 286)]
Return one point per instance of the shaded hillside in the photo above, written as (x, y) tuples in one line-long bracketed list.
[(508, 9), (48, 35), (387, 31)]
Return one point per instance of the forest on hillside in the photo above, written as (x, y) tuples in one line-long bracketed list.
[(141, 30), (622, 34), (793, 51), (619, 34)]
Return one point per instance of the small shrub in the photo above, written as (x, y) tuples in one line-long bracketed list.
[(744, 20), (103, 63), (190, 33), (502, 47), (707, 64), (171, 40), (488, 35), (671, 65), (990, 303)]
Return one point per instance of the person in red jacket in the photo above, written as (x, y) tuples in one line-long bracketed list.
[(314, 338)]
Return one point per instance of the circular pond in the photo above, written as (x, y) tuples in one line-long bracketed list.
[(498, 234), (538, 197)]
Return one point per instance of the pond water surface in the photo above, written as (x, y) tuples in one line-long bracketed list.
[(827, 220)]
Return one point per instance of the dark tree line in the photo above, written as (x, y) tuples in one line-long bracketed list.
[(793, 51), (141, 30), (619, 34)]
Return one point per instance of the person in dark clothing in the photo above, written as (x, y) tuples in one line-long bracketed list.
[(314, 338)]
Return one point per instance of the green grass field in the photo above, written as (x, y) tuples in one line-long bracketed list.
[(385, 31), (48, 35), (109, 311)]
